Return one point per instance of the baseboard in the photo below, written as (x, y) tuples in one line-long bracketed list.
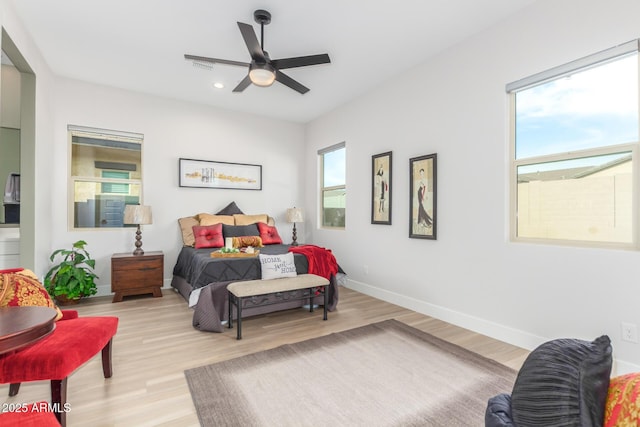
[(621, 367), (494, 330), (105, 290)]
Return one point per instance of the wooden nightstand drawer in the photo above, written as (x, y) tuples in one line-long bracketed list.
[(137, 274), (128, 279)]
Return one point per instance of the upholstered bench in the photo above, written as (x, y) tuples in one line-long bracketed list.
[(300, 287)]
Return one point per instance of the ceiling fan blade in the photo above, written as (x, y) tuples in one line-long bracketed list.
[(301, 61), (288, 81), (243, 84), (251, 41), (215, 60)]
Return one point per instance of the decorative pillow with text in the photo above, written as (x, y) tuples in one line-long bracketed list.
[(277, 266)]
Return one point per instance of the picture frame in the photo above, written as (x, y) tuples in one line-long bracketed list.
[(423, 193), (381, 189), (225, 175)]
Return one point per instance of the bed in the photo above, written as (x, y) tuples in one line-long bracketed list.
[(202, 279)]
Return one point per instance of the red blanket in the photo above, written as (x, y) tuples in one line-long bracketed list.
[(321, 261)]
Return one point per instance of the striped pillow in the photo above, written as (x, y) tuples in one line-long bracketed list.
[(563, 382)]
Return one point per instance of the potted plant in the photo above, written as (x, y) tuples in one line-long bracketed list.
[(72, 277)]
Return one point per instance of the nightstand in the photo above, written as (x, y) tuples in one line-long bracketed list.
[(137, 274)]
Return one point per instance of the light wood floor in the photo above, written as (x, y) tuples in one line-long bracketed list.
[(155, 343)]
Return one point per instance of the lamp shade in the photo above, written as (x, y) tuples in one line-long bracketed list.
[(137, 214), (295, 215)]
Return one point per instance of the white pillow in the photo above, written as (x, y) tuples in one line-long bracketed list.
[(277, 266)]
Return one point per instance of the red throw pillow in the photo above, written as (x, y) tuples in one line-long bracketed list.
[(208, 236), (269, 234)]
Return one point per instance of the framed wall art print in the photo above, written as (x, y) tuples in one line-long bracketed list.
[(210, 174), (381, 188), (422, 197)]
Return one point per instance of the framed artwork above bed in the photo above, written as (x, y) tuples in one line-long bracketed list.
[(212, 174)]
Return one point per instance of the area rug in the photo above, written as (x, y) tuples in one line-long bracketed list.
[(383, 374)]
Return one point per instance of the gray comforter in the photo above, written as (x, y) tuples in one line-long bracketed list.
[(198, 268), (202, 280)]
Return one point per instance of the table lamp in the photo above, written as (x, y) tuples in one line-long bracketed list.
[(138, 215), (294, 215)]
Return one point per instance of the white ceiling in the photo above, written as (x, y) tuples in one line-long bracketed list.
[(139, 44)]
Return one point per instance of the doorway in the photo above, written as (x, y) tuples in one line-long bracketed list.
[(9, 142), (17, 149)]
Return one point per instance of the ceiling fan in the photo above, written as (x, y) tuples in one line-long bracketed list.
[(263, 70)]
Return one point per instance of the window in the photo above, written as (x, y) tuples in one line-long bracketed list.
[(105, 176), (333, 191), (115, 187), (574, 144)]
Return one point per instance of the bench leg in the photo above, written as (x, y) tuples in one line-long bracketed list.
[(239, 307), (230, 322), (236, 301), (326, 302)]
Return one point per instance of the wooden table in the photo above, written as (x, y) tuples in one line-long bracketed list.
[(22, 326)]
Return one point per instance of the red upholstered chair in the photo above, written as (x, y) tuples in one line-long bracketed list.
[(30, 415), (74, 341)]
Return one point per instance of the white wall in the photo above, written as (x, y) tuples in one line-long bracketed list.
[(174, 129), (456, 106)]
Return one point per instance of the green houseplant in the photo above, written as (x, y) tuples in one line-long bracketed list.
[(72, 277)]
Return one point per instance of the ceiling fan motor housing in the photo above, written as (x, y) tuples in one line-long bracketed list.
[(262, 17)]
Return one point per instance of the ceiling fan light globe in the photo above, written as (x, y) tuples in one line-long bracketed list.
[(262, 75)]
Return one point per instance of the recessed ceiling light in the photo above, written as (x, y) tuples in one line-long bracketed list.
[(218, 85)]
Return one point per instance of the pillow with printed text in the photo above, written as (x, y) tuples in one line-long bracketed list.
[(277, 266)]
